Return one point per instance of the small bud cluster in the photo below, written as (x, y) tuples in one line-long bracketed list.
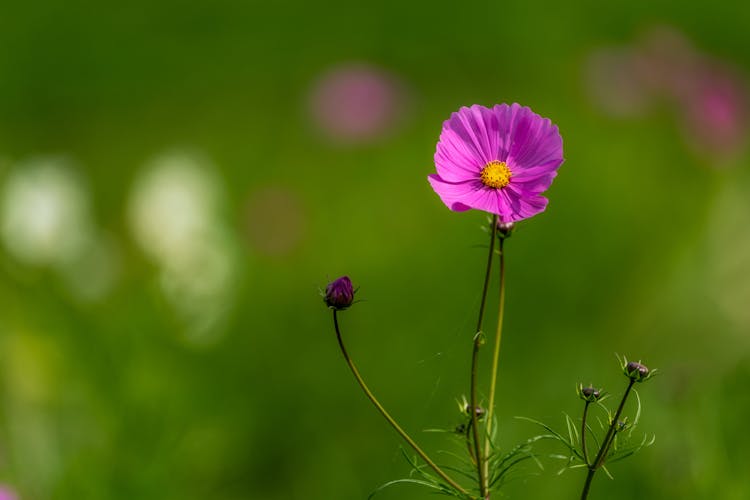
[(589, 394), (637, 372)]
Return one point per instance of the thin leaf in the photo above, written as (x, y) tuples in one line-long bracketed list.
[(501, 474), (464, 461), (593, 436), (557, 435), (637, 412), (402, 481), (467, 475), (574, 427)]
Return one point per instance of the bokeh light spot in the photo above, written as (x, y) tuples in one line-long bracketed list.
[(358, 103), (45, 213)]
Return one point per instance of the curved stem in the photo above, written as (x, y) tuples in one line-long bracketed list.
[(480, 461), (583, 434), (606, 443), (495, 354), (387, 416)]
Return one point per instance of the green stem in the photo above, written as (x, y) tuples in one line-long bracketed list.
[(587, 484), (606, 443), (583, 434), (487, 273), (495, 355), (470, 442), (480, 461), (601, 457), (387, 416)]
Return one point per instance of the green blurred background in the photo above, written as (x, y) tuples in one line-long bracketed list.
[(179, 179)]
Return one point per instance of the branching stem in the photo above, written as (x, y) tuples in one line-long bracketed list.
[(601, 457)]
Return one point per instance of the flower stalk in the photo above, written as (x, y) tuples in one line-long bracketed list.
[(495, 354), (481, 460), (387, 416), (601, 456), (583, 433), (589, 395)]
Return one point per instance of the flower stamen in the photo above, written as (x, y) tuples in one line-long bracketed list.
[(495, 174)]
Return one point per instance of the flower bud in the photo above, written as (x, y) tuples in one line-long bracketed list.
[(636, 371), (339, 294), (479, 410), (505, 229), (589, 394)]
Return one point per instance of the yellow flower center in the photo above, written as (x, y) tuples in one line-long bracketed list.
[(495, 174)]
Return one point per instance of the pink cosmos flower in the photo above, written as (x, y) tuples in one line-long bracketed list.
[(498, 160)]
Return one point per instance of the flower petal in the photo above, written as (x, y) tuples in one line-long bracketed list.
[(523, 204), (462, 196), (530, 140), (454, 194), (468, 142), (481, 125), (455, 160), (534, 185)]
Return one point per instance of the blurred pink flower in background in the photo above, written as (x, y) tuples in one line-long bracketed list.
[(357, 103), (709, 96), (663, 61), (275, 220), (7, 494), (715, 116)]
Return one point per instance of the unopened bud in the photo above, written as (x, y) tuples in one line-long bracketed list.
[(479, 411), (589, 394), (636, 371), (339, 294), (505, 229)]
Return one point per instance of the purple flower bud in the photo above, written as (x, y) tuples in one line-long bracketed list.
[(636, 371), (339, 294), (589, 394)]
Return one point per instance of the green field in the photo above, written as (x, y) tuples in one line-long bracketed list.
[(173, 195)]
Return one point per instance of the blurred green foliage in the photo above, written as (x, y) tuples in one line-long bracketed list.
[(643, 251)]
